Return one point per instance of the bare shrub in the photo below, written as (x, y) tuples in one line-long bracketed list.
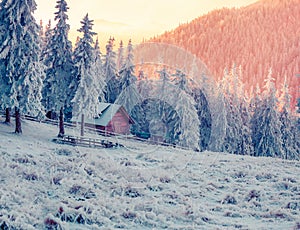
[(132, 192), (24, 160), (89, 194), (205, 219), (154, 188), (264, 176), (253, 194), (293, 205), (56, 180), (30, 176), (165, 180), (129, 215), (239, 175), (229, 200), (276, 215), (289, 179), (63, 152), (80, 219), (75, 189)]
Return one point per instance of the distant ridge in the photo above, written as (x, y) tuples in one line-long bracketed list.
[(259, 36)]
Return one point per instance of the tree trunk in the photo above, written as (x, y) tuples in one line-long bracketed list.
[(7, 115), (82, 125), (18, 121), (61, 124)]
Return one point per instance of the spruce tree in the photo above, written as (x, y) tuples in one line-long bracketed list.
[(233, 138), (266, 133), (57, 56), (182, 119), (46, 45), (6, 101), (219, 123), (127, 76), (144, 85), (129, 96), (113, 89), (99, 73), (140, 111), (20, 66), (255, 120), (120, 57), (189, 112), (204, 116), (5, 83), (86, 99), (165, 89), (287, 124), (181, 81), (245, 132), (297, 127), (188, 124)]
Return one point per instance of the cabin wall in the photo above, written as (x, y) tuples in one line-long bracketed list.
[(119, 124)]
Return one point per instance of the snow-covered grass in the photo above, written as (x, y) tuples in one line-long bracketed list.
[(49, 186)]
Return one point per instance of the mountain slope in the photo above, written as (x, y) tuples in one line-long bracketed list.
[(262, 35), (49, 186)]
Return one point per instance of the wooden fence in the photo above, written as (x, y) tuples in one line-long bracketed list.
[(86, 142), (90, 142)]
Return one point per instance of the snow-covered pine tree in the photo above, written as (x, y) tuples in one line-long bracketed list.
[(181, 81), (298, 120), (245, 132), (204, 116), (184, 124), (298, 111), (21, 69), (110, 73), (238, 130), (187, 126), (57, 56), (46, 45), (140, 111), (297, 125), (120, 57), (163, 89), (5, 81), (129, 96), (144, 85), (233, 139), (219, 123), (186, 109), (296, 130), (266, 133), (199, 92), (42, 32), (127, 76), (255, 104), (99, 73), (86, 99), (165, 82), (287, 122), (246, 145)]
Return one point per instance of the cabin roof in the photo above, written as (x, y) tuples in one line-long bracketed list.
[(106, 112)]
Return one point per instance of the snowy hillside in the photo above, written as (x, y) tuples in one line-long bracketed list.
[(49, 186)]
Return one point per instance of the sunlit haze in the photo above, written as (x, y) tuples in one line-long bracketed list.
[(135, 19)]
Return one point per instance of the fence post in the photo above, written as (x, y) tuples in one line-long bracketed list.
[(82, 125)]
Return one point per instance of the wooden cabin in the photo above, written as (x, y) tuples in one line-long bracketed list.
[(111, 119)]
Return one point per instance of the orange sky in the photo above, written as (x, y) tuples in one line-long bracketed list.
[(135, 19)]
